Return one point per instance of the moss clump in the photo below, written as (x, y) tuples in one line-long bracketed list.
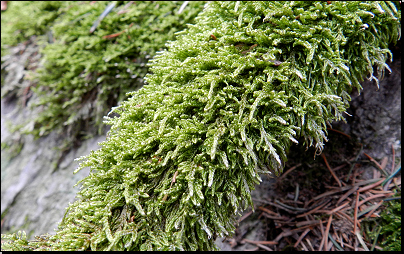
[(386, 229), (223, 104), (26, 18), (391, 227), (84, 74)]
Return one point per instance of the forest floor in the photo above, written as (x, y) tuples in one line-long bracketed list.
[(321, 203)]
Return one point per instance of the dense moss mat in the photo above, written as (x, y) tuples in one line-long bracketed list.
[(83, 74), (26, 18), (222, 104), (391, 227), (386, 229)]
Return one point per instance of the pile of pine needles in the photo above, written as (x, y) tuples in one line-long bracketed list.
[(329, 215)]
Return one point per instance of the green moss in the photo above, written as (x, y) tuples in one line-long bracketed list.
[(222, 104), (26, 18), (391, 227), (386, 230), (84, 74)]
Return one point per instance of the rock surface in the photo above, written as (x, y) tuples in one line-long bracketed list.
[(376, 115), (37, 183)]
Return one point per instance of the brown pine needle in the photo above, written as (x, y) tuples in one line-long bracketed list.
[(338, 208), (312, 211), (301, 237), (289, 170), (375, 196), (110, 36), (268, 211), (339, 189), (355, 188), (374, 209), (377, 164), (300, 229), (322, 233), (345, 237), (373, 160), (384, 161), (332, 172), (380, 191), (371, 186), (342, 214), (264, 247), (356, 210), (272, 217), (305, 223), (340, 132), (245, 216), (259, 242), (283, 234), (327, 230), (309, 243)]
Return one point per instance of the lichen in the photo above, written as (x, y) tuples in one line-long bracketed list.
[(222, 104)]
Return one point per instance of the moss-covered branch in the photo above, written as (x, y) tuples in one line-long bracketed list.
[(222, 105)]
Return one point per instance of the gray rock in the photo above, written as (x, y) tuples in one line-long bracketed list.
[(34, 192)]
